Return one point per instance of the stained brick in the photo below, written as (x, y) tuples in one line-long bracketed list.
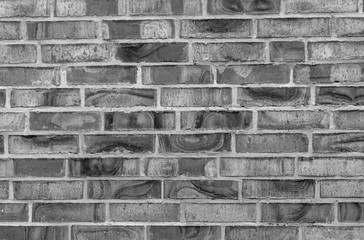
[(13, 212), (183, 232), (287, 51), (243, 6), (253, 233), (86, 8), (351, 212), (337, 142), (216, 28), (253, 74), (68, 212), (107, 232), (120, 97), (332, 51), (138, 29), (65, 121), (12, 121), (297, 213), (43, 144), (61, 30), (271, 96), (169, 75), (45, 97)]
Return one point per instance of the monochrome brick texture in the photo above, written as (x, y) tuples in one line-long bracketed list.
[(181, 119)]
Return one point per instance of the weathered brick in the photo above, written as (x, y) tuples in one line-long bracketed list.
[(216, 28), (117, 121), (10, 232), (351, 212), (103, 75), (138, 29), (94, 167), (228, 52), (256, 167), (330, 167), (184, 167), (349, 27), (166, 7), (332, 51), (4, 189), (338, 142), (271, 143), (349, 119), (120, 97), (226, 212), (1, 144), (243, 6), (152, 52), (144, 212), (339, 95), (285, 189), (48, 190), (13, 212), (322, 6), (107, 232), (69, 53), (68, 212), (270, 96), (86, 8), (12, 121), (197, 189), (19, 53), (293, 119), (119, 143), (17, 76), (9, 30), (333, 233), (294, 27), (297, 213), (184, 232), (342, 189), (37, 167), (60, 97), (254, 233), (253, 74), (6, 168), (24, 8), (216, 120), (116, 189), (287, 51), (189, 143), (47, 233), (65, 121), (61, 30), (196, 97), (328, 73), (169, 75), (46, 144)]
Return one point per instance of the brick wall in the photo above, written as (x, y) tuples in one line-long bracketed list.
[(175, 120)]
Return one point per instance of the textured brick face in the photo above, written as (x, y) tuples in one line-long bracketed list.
[(181, 120)]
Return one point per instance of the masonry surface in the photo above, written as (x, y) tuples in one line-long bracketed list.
[(181, 119)]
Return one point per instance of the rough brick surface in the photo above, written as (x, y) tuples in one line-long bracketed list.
[(181, 119)]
